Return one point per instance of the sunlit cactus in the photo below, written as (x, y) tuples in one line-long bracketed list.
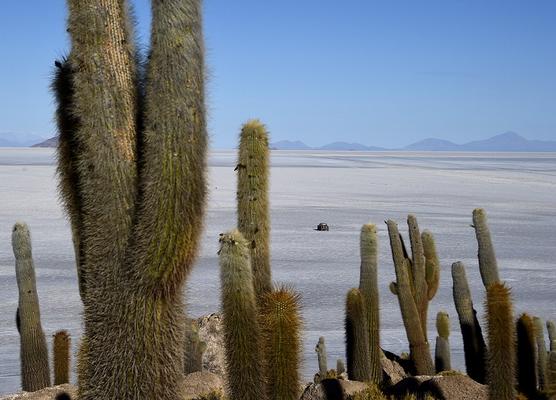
[(61, 357), (487, 258), (442, 350), (357, 339)]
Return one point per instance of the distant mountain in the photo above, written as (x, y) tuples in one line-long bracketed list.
[(52, 142), (432, 144), (349, 147), (11, 139), (289, 145)]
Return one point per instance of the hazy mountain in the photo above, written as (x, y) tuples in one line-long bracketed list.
[(52, 142), (349, 147), (432, 144), (289, 145), (11, 139)]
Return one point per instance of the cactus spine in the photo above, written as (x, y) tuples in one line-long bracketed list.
[(541, 352), (487, 258), (357, 343), (241, 326), (139, 158), (526, 356), (404, 288), (501, 343), (194, 348), (368, 286), (61, 355), (35, 372), (320, 349), (551, 328), (473, 343), (280, 325), (442, 350), (252, 201)]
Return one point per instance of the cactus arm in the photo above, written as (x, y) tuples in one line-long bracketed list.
[(253, 219), (487, 258), (432, 264), (419, 347), (173, 155), (418, 272), (35, 370)]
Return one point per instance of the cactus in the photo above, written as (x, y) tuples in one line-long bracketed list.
[(442, 350), (487, 258), (35, 371), (501, 343), (357, 339), (194, 348), (432, 264), (551, 328), (526, 356), (61, 356), (252, 201), (241, 326), (320, 349), (541, 352), (280, 327), (404, 287), (137, 150), (368, 286), (340, 366), (473, 343), (551, 375)]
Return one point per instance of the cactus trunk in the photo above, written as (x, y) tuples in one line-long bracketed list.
[(357, 338), (551, 328), (541, 352), (526, 356), (551, 375), (35, 370), (320, 349), (442, 350), (487, 258), (61, 352)]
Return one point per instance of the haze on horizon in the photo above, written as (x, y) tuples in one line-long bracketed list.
[(378, 73)]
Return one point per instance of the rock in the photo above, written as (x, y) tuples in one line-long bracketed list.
[(198, 383), (317, 391), (392, 371), (452, 387), (210, 332), (49, 393)]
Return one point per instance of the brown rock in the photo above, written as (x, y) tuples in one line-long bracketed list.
[(199, 383), (316, 391), (452, 387), (392, 371), (210, 332), (49, 393)]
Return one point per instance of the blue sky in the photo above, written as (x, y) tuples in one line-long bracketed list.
[(382, 73)]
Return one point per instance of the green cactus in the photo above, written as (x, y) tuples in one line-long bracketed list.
[(61, 356), (137, 149), (432, 264), (501, 361), (405, 287), (541, 352), (280, 325), (551, 375), (368, 286), (241, 326), (442, 350), (320, 349), (357, 338), (551, 328), (473, 342), (253, 219), (487, 258), (526, 356), (35, 370), (194, 348)]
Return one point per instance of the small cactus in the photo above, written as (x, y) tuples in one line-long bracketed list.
[(280, 326), (442, 350), (487, 258), (35, 370), (541, 352), (501, 343), (340, 366), (320, 349), (241, 326), (61, 355), (526, 356), (357, 339), (194, 348), (253, 219)]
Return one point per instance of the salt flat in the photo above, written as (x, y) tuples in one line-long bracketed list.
[(343, 189)]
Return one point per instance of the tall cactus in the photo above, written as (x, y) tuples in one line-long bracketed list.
[(541, 352), (137, 148), (35, 372), (357, 338), (442, 351), (253, 219), (487, 258), (473, 342), (501, 343), (280, 326), (551, 328), (61, 357), (241, 326), (320, 349), (404, 287), (368, 286), (526, 356)]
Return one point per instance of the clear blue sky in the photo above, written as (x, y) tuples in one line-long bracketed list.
[(383, 73)]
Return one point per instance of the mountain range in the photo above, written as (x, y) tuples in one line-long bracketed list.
[(509, 141), (11, 139)]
